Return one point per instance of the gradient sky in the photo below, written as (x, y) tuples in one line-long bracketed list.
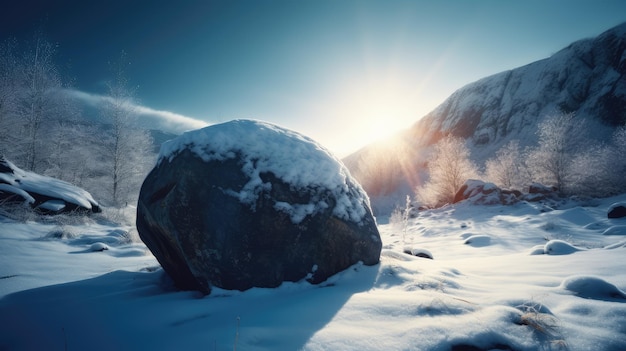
[(342, 72)]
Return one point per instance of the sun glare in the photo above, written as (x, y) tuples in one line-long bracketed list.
[(376, 112)]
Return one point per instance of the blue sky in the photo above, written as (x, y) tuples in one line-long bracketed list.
[(342, 72)]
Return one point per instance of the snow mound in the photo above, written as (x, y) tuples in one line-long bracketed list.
[(396, 255), (113, 238), (96, 247), (478, 240), (261, 146), (555, 247), (578, 216), (116, 243), (538, 250), (595, 226), (134, 250), (615, 230), (559, 247), (592, 287), (621, 244)]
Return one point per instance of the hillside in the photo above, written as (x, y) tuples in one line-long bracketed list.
[(587, 78)]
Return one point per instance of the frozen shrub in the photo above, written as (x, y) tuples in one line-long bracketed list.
[(507, 169), (551, 162), (449, 167)]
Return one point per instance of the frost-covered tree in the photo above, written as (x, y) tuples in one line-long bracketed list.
[(599, 169), (72, 152), (507, 169), (40, 93), (449, 167), (590, 174), (613, 166), (9, 84), (128, 147), (560, 139)]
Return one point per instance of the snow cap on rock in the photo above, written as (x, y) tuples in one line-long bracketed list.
[(262, 146)]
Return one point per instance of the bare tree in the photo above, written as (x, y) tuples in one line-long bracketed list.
[(448, 168), (39, 96), (127, 146)]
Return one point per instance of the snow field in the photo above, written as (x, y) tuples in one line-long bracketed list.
[(503, 294)]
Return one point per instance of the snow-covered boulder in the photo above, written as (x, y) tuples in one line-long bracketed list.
[(249, 204), (418, 252), (617, 210), (44, 194), (559, 247)]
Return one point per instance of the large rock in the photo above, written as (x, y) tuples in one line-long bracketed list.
[(248, 204), (44, 194)]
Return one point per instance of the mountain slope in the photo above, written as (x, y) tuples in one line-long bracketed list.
[(587, 77)]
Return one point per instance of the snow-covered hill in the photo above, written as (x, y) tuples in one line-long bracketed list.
[(588, 77), (524, 277)]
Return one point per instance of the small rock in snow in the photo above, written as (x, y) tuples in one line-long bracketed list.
[(617, 210), (96, 247), (418, 252)]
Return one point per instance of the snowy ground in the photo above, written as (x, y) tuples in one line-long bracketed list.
[(491, 285)]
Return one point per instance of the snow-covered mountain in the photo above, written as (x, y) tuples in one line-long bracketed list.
[(587, 77)]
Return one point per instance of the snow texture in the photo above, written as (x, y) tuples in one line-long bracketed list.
[(292, 157), (58, 292)]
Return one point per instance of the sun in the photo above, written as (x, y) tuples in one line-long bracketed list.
[(377, 112)]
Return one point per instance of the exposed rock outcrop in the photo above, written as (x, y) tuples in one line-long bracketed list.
[(44, 194), (481, 193)]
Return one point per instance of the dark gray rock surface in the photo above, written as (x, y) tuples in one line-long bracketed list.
[(617, 210)]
